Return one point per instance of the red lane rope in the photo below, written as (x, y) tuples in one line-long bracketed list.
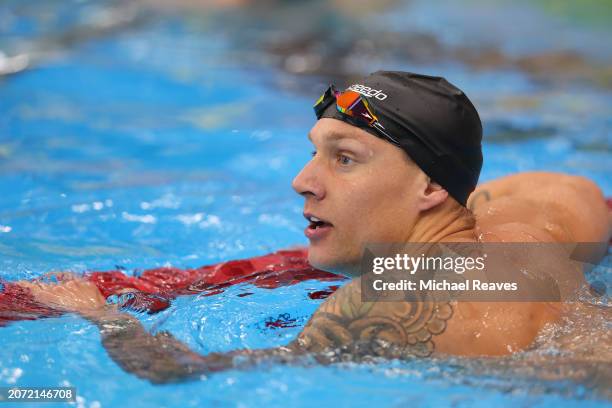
[(154, 289)]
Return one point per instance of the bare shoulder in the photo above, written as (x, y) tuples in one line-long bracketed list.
[(529, 207), (346, 324), (384, 329), (553, 207)]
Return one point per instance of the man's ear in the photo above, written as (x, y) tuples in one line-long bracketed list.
[(433, 195)]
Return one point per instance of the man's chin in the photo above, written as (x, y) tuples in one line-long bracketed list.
[(329, 263)]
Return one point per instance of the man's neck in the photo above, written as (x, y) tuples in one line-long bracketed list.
[(447, 222)]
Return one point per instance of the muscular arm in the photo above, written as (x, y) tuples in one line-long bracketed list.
[(562, 207), (158, 358), (161, 358), (343, 324)]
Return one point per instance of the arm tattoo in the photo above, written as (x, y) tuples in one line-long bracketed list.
[(343, 325), (482, 195), (161, 358), (386, 329)]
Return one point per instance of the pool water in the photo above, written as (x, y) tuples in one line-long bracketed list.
[(136, 137)]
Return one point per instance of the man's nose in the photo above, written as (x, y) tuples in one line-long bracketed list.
[(308, 181)]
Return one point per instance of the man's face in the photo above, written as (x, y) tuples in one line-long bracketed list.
[(363, 188)]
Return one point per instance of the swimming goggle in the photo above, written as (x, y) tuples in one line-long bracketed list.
[(354, 106)]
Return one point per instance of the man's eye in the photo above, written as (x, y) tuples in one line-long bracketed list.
[(344, 159), (313, 153)]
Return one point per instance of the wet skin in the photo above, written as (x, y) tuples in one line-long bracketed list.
[(367, 190), (364, 187)]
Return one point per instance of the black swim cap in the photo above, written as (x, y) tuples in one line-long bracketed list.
[(434, 122)]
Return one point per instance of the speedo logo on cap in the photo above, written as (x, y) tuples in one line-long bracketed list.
[(367, 91)]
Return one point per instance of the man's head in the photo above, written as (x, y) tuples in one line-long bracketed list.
[(374, 189)]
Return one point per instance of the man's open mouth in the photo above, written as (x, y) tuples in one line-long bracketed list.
[(316, 222)]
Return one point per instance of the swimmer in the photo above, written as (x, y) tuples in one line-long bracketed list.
[(397, 157)]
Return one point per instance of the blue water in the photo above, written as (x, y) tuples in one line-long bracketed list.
[(174, 142)]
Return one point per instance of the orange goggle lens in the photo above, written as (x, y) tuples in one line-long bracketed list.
[(353, 105)]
